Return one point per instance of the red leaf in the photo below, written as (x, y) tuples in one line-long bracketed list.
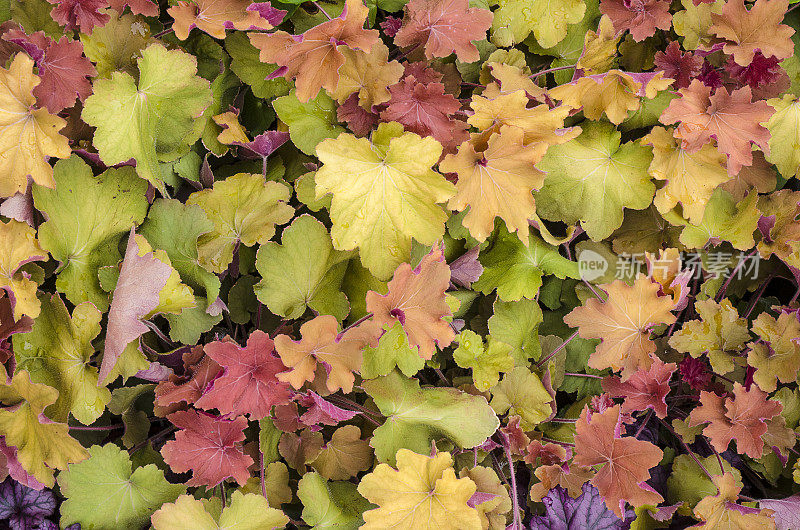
[(80, 14), (359, 120), (426, 109), (444, 27), (741, 418), (640, 17), (645, 389), (200, 370), (62, 67), (682, 67), (209, 446), (248, 384), (138, 7), (321, 411), (626, 461)]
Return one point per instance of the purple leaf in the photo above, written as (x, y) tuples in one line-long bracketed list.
[(321, 411), (265, 143), (25, 508), (466, 268), (273, 15), (787, 511), (587, 512)]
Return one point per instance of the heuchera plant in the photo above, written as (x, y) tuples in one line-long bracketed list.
[(424, 264)]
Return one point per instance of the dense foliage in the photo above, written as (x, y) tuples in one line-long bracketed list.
[(408, 264)]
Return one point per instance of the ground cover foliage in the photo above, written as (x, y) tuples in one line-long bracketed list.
[(387, 264)]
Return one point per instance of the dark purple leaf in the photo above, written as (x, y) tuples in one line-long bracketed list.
[(587, 512), (25, 508)]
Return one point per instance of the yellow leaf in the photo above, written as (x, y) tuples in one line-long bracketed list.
[(540, 123), (368, 74), (716, 512), (422, 493), (384, 194), (18, 245), (691, 176), (614, 93), (42, 446), (27, 135)]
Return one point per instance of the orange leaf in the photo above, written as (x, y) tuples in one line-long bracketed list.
[(496, 180), (741, 418), (214, 16), (444, 27), (732, 119), (321, 344), (627, 461), (314, 58), (759, 28), (416, 299), (623, 323)]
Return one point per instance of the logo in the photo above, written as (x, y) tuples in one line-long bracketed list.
[(591, 265)]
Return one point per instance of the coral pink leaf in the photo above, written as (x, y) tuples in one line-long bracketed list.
[(248, 384), (209, 446)]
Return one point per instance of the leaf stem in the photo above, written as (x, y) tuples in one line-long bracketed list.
[(558, 349), (583, 375), (354, 324), (261, 474), (162, 33), (758, 295), (688, 450), (323, 11), (735, 270), (554, 69), (644, 423), (564, 420), (517, 523), (557, 442)]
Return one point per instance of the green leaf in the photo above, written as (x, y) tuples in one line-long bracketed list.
[(724, 220), (175, 228), (392, 350), (87, 217), (103, 494), (415, 416), (303, 271), (522, 393), (517, 324), (57, 352), (516, 270), (123, 403), (309, 123), (515, 19), (487, 363), (187, 326), (689, 483), (152, 120), (116, 46), (592, 178), (246, 65), (244, 209), (246, 512), (335, 504)]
